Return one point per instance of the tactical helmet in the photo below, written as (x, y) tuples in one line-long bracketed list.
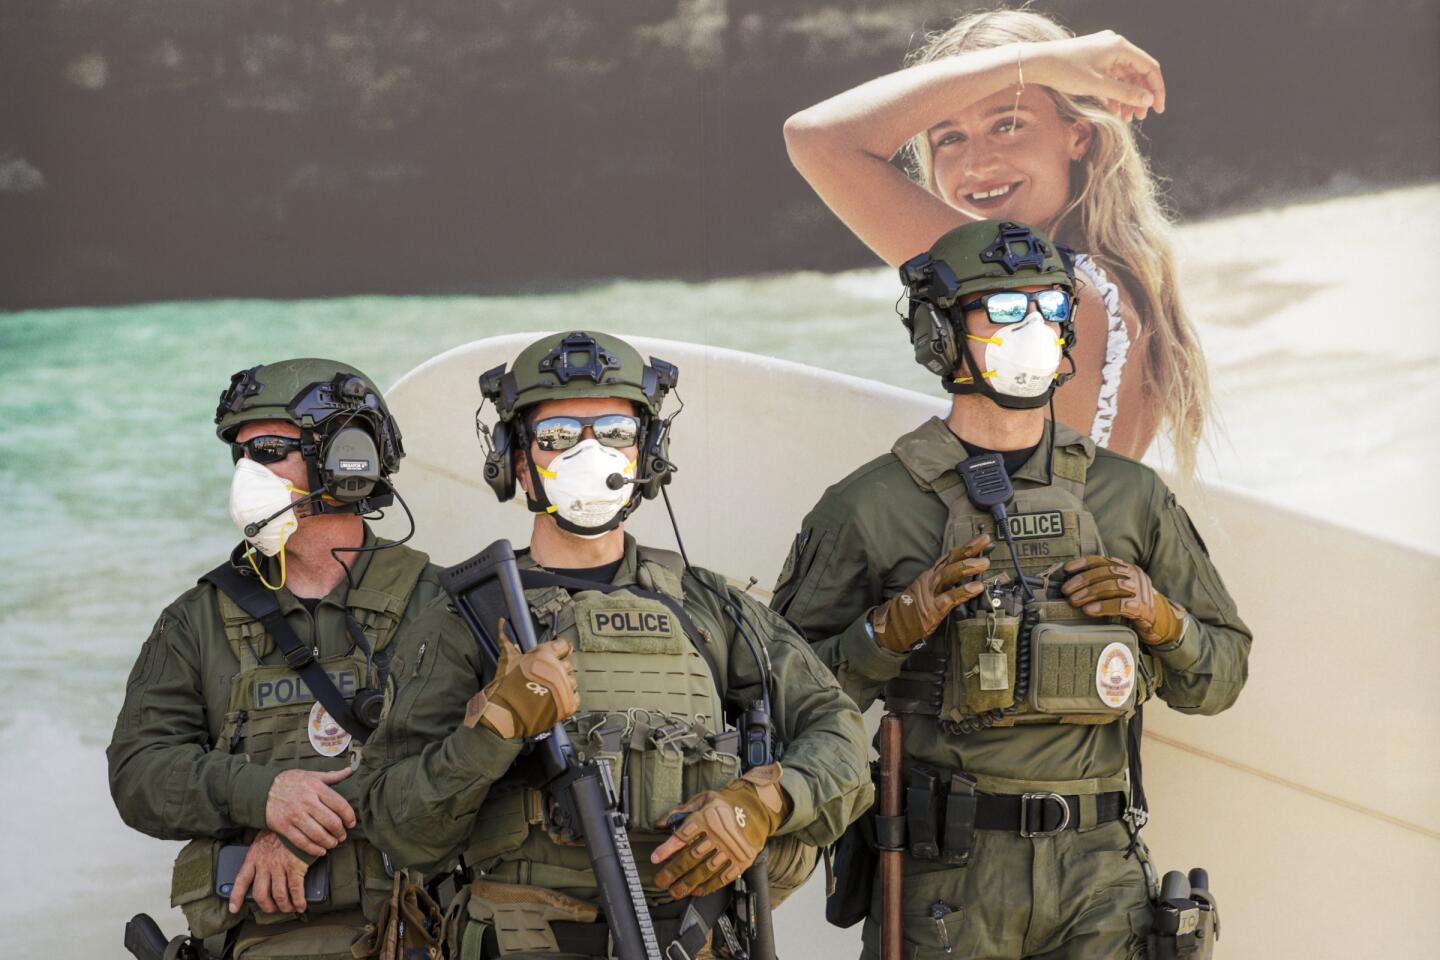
[(349, 440), (567, 366), (981, 256)]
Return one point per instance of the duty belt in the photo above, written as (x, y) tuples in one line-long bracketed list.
[(943, 811), (593, 939)]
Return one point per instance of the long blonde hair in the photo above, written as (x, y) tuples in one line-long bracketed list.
[(1114, 214)]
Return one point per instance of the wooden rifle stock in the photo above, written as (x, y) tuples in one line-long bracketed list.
[(892, 862)]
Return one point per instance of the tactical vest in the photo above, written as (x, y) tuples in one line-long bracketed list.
[(269, 721), (650, 707), (1047, 664)]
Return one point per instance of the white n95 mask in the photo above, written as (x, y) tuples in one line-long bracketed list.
[(1021, 360), (576, 485), (256, 493)]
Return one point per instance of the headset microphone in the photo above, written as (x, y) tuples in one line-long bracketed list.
[(617, 480), (251, 529)]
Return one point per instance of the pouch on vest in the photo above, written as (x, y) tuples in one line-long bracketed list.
[(192, 889), (982, 669), (1085, 672), (519, 914)]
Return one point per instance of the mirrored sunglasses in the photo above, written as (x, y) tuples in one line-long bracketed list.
[(562, 433), (1012, 306)]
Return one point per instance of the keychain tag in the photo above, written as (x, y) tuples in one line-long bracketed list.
[(994, 666)]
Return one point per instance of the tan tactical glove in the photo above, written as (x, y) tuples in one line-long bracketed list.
[(723, 834), (531, 692), (1105, 587), (914, 613)]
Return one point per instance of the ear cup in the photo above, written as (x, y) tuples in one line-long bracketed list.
[(351, 465), (933, 338), (655, 459), (499, 470)]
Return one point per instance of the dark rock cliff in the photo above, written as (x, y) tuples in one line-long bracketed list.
[(168, 149)]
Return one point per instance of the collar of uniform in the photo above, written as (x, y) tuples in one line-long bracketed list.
[(629, 562), (1035, 469), (932, 450), (270, 566)]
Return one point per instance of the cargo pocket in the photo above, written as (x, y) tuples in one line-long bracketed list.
[(711, 770), (982, 677), (192, 889), (502, 825), (939, 929), (1142, 922), (655, 775)]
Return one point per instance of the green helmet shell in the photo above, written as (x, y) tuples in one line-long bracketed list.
[(268, 391), (984, 256), (998, 255), (566, 366)]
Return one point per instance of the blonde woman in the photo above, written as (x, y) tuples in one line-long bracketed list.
[(1006, 115)]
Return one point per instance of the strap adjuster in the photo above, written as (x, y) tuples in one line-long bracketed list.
[(299, 656), (1040, 831)]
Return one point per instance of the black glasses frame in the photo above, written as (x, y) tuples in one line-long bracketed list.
[(256, 447)]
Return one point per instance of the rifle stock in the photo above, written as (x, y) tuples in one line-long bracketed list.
[(892, 862)]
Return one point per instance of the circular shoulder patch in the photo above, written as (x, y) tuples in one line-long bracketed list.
[(1115, 674), (327, 737)]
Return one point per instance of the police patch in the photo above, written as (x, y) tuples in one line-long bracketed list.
[(1033, 526), (327, 737), (283, 689), (631, 623)]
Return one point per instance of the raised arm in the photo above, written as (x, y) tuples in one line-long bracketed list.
[(842, 146)]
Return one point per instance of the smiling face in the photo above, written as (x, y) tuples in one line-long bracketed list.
[(997, 161)]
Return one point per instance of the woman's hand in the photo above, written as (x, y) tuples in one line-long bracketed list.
[(1103, 65)]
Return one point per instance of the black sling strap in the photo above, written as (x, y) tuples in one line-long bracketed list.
[(259, 602), (494, 607)]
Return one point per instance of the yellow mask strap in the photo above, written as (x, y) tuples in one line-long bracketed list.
[(250, 555), (987, 373), (547, 474), (995, 340)]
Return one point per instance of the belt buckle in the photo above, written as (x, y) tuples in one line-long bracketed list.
[(1025, 799)]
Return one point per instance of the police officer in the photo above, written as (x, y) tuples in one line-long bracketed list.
[(1019, 698), (236, 731), (645, 658)]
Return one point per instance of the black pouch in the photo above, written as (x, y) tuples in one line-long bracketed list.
[(856, 866)]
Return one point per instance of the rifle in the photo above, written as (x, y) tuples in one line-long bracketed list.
[(891, 858), (587, 802), (145, 941)]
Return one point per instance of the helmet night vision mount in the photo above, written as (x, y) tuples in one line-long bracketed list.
[(980, 257), (566, 367), (348, 439)]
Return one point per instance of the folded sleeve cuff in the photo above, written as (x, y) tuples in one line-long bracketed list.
[(1180, 655), (866, 657), (307, 858), (802, 800), (479, 753), (249, 791)]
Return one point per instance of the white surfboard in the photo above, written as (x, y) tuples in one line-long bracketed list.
[(1314, 802)]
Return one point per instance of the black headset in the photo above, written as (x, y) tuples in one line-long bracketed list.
[(350, 443)]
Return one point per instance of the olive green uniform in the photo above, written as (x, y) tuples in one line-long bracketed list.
[(212, 714), (435, 791), (1074, 894)]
